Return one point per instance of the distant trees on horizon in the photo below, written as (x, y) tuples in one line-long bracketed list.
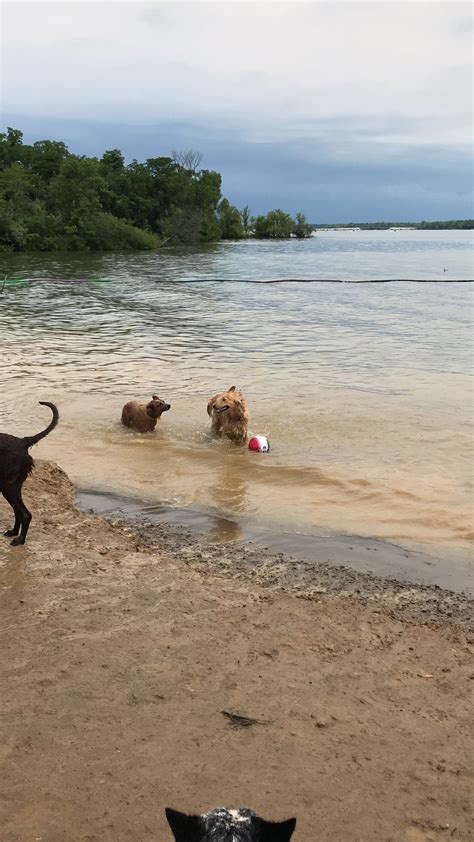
[(383, 226)]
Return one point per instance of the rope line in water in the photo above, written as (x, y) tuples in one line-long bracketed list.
[(23, 282), (7, 282), (334, 281)]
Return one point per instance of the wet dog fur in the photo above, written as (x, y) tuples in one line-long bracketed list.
[(15, 465), (229, 415), (228, 826), (143, 417)]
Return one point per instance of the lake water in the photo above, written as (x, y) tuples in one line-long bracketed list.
[(364, 390)]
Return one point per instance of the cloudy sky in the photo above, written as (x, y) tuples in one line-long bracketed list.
[(344, 110)]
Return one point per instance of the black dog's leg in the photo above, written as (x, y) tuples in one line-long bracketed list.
[(9, 533), (25, 525), (9, 497), (22, 515)]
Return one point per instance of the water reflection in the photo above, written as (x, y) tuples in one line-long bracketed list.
[(229, 490), (225, 529)]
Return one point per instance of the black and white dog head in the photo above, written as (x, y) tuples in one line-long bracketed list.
[(228, 826)]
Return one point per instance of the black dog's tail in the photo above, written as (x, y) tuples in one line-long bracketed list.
[(31, 440)]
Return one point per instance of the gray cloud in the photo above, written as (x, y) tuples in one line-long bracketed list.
[(307, 175), (342, 110)]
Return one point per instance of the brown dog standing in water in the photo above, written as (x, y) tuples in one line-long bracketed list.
[(229, 415), (143, 417)]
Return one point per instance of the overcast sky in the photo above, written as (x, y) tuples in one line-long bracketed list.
[(344, 110)]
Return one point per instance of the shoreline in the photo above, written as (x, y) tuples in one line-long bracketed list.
[(301, 556), (123, 645), (165, 246), (411, 601)]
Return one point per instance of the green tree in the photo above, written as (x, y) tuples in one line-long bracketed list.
[(78, 189), (245, 219), (302, 229), (113, 160), (104, 232), (17, 188), (207, 194), (182, 226), (11, 147), (45, 231), (275, 225), (46, 159), (13, 230), (230, 221)]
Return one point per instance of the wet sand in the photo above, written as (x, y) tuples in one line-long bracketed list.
[(302, 554), (123, 643)]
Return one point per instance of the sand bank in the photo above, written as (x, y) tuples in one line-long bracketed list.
[(122, 647)]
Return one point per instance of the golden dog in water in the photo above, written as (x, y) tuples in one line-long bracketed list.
[(143, 417), (229, 415)]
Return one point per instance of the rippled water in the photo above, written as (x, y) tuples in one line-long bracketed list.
[(363, 389)]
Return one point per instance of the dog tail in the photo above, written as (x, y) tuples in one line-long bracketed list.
[(31, 440)]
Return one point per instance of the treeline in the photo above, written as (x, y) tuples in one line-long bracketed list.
[(448, 223), (51, 199), (383, 226)]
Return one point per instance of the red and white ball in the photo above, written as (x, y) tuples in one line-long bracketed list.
[(259, 444)]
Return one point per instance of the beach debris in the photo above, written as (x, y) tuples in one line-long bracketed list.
[(270, 653), (425, 674), (238, 721), (426, 824)]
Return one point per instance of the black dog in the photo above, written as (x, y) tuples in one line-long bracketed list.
[(15, 465), (228, 826)]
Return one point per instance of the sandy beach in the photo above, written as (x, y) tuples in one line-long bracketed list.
[(126, 647)]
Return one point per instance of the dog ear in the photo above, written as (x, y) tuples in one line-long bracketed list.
[(185, 828), (276, 831), (155, 398), (232, 389), (210, 406)]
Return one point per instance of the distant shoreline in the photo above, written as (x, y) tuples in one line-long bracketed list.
[(439, 225)]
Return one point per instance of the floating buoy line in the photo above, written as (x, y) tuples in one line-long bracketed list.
[(25, 281), (332, 281), (22, 282)]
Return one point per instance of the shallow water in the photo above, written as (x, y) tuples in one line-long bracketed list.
[(363, 390)]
